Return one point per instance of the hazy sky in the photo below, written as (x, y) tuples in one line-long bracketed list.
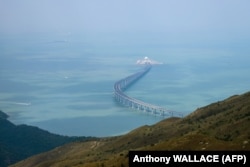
[(180, 16)]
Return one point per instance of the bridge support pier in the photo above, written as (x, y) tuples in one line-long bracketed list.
[(127, 101)]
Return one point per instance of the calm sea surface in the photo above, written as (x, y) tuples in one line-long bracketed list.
[(64, 83)]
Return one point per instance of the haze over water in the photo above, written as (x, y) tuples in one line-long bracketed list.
[(62, 81)]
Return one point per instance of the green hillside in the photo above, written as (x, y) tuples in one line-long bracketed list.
[(222, 125), (22, 141)]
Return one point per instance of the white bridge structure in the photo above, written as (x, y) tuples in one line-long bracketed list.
[(121, 85)]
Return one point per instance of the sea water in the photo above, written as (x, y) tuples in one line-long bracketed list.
[(63, 83)]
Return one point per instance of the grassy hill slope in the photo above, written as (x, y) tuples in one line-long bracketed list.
[(222, 125), (18, 142)]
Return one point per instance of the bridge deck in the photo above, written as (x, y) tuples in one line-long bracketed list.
[(121, 85)]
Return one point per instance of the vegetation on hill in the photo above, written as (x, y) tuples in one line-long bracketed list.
[(223, 125), (22, 141)]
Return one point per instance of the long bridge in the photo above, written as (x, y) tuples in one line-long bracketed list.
[(121, 85)]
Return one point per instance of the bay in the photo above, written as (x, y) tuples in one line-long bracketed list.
[(64, 83)]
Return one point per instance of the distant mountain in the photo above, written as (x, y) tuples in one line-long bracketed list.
[(22, 141), (223, 125)]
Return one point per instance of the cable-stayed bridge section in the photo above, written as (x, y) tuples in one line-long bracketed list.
[(121, 85)]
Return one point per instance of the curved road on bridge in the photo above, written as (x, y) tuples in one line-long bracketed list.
[(121, 85)]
